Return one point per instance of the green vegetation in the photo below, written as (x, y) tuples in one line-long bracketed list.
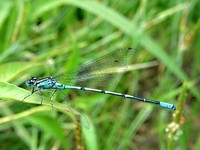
[(46, 37)]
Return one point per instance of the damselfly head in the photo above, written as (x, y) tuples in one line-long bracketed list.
[(31, 81)]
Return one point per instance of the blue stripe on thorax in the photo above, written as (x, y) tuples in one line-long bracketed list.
[(45, 83)]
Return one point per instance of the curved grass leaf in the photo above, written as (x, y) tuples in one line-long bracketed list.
[(12, 92)]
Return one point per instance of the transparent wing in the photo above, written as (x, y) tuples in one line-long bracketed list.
[(99, 72), (80, 118)]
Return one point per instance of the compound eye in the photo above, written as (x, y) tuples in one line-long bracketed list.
[(28, 83)]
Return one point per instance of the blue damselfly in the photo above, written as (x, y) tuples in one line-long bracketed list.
[(93, 74)]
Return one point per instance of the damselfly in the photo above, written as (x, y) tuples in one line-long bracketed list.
[(93, 74)]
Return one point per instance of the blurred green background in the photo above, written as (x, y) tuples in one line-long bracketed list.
[(43, 38)]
